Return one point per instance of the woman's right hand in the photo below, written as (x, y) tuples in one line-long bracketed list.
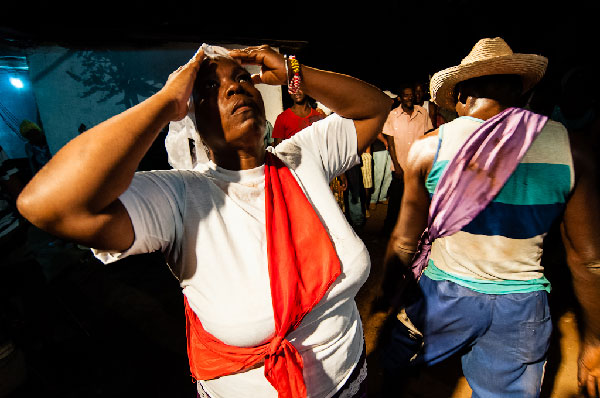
[(272, 64), (180, 84)]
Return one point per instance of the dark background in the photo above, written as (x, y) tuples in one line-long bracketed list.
[(382, 42)]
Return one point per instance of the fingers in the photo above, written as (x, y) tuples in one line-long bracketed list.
[(588, 374), (193, 62), (588, 382), (197, 58), (250, 55), (256, 79), (592, 386), (271, 63), (246, 55)]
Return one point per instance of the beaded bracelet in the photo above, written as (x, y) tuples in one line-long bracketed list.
[(294, 84)]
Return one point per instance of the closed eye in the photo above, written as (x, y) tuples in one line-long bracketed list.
[(211, 84), (245, 77)]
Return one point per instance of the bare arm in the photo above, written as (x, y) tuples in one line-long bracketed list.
[(382, 139), (582, 245), (392, 150), (349, 97), (412, 219), (75, 196)]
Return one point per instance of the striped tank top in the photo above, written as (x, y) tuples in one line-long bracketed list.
[(500, 250)]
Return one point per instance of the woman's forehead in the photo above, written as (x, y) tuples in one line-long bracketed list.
[(220, 66)]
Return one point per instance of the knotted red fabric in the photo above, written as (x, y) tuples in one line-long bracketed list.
[(302, 265)]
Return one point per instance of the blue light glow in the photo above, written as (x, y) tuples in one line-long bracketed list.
[(15, 81)]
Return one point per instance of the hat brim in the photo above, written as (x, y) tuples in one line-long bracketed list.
[(530, 67)]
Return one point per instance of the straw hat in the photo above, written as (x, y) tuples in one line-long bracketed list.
[(488, 57)]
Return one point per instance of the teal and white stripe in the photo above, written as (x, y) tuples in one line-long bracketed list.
[(500, 250)]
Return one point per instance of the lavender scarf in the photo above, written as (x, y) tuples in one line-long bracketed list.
[(476, 174)]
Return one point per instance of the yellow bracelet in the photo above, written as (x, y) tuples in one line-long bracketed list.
[(295, 65)]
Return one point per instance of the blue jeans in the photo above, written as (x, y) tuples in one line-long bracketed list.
[(502, 339), (382, 175)]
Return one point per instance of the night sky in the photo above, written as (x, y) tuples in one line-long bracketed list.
[(383, 42)]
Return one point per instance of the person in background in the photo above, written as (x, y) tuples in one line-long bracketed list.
[(481, 194), (36, 148), (338, 187), (354, 197), (382, 164), (267, 264), (577, 107), (269, 134), (403, 126), (420, 90), (382, 171), (367, 173), (300, 115)]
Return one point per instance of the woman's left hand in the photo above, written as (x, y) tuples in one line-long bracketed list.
[(272, 64), (589, 368)]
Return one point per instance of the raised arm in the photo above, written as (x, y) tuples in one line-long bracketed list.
[(582, 244), (75, 196), (347, 96)]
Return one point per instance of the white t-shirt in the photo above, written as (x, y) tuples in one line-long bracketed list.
[(210, 224)]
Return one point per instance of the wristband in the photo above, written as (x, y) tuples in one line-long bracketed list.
[(294, 83)]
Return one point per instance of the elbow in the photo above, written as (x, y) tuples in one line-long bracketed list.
[(386, 106), (26, 205), (383, 111), (34, 210)]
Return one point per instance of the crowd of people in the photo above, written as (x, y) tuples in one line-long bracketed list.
[(261, 236)]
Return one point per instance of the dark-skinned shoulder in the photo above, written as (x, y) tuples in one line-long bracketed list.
[(422, 153)]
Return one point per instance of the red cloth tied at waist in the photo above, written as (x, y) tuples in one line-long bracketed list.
[(303, 264)]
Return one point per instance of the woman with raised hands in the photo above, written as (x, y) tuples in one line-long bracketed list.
[(267, 263)]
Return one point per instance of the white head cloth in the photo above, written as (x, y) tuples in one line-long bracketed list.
[(185, 148)]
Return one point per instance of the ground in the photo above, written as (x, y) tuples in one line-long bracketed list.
[(84, 329)]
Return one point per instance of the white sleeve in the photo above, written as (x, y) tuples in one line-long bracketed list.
[(155, 204), (331, 140)]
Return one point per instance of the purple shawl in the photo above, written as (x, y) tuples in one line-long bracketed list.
[(476, 174)]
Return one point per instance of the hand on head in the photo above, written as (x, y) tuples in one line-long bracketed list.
[(272, 64), (180, 83)]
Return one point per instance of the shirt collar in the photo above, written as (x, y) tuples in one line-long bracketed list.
[(417, 109)]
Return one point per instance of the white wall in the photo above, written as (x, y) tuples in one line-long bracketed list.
[(75, 86)]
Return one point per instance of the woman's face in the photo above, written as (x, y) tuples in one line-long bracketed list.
[(230, 112), (298, 98)]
